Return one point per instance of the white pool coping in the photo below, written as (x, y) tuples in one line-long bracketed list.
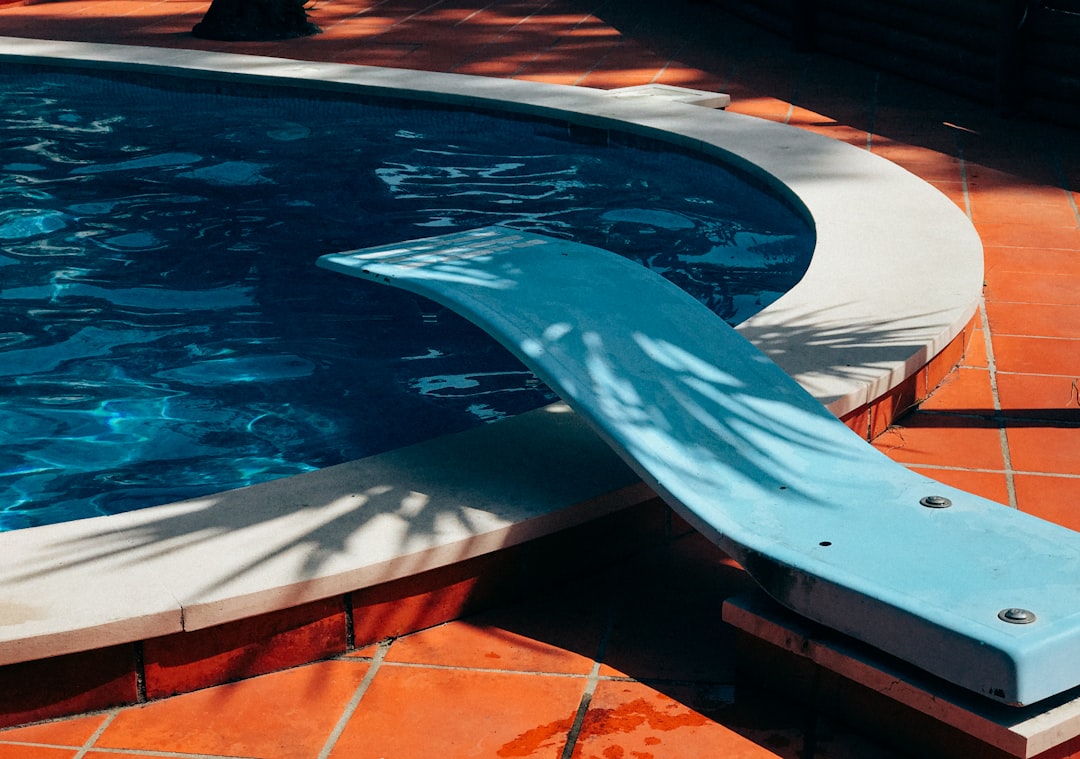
[(896, 275)]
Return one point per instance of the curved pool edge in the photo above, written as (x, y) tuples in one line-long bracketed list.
[(895, 280), (852, 329)]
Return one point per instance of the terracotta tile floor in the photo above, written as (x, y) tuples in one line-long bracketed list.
[(633, 661)]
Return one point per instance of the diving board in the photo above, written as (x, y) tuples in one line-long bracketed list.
[(969, 590)]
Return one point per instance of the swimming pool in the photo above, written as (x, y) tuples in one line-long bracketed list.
[(165, 335), (895, 279)]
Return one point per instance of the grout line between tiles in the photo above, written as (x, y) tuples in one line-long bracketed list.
[(350, 622), (800, 82), (1076, 381), (140, 673), (1003, 436), (96, 735), (494, 40), (553, 44), (127, 752), (590, 686), (483, 670), (354, 702), (1024, 472), (875, 95), (991, 363), (476, 12), (1031, 337), (1062, 475), (582, 710), (572, 675), (592, 69), (1063, 179), (965, 187), (671, 59), (948, 468)]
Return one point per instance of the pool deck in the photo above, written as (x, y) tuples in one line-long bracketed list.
[(611, 662)]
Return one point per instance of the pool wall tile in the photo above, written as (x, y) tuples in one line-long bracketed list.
[(1069, 750), (950, 357), (893, 404), (431, 598), (859, 421), (597, 543), (977, 356), (70, 684), (191, 660), (874, 418)]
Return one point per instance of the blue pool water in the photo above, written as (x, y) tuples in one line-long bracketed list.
[(164, 332)]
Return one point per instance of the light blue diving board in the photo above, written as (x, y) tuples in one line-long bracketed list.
[(974, 592)]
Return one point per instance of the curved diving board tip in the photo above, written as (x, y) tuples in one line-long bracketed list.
[(977, 593)]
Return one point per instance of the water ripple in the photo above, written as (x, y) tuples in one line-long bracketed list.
[(165, 334), (24, 223)]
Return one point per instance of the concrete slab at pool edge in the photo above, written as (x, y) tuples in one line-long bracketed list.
[(895, 279)]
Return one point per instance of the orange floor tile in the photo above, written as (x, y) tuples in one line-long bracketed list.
[(633, 661)]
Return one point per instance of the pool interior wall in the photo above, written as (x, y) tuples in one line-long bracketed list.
[(878, 319)]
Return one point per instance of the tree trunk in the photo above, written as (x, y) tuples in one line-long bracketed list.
[(255, 20)]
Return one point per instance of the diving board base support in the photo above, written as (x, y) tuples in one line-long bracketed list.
[(884, 698)]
